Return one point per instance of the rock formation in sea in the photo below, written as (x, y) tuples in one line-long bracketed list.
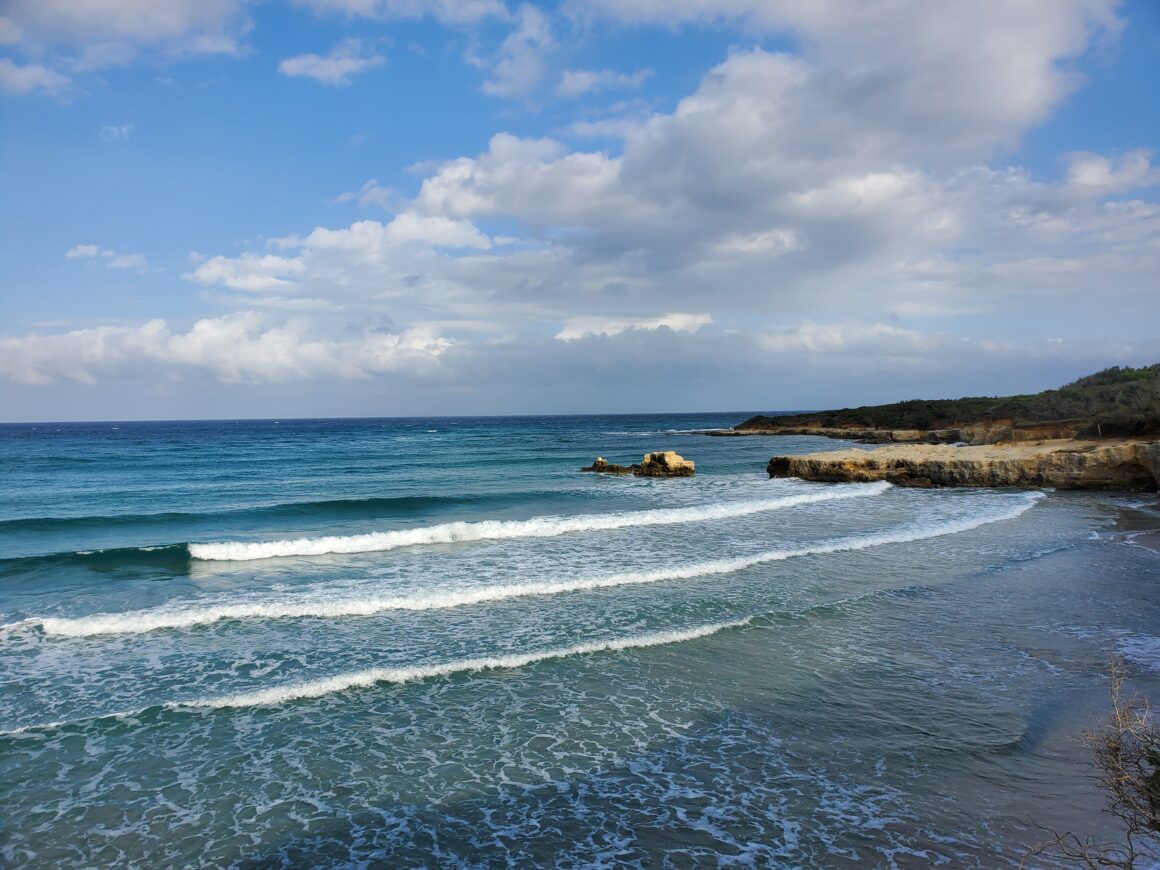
[(659, 464), (603, 466), (1063, 464), (666, 463)]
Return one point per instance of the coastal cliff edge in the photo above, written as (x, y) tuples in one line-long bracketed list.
[(1121, 464)]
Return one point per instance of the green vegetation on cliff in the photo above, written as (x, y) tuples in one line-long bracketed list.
[(1113, 402)]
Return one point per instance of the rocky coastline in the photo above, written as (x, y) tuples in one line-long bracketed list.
[(990, 433), (1110, 464)]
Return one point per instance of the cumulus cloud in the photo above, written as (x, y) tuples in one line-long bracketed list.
[(576, 83), (827, 216), (405, 267), (521, 63), (106, 33), (1002, 66), (445, 11), (763, 192), (348, 58), (247, 272), (31, 78), (1100, 175), (112, 259), (371, 193), (580, 327), (236, 348), (128, 261)]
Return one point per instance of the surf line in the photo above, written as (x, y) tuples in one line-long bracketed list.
[(398, 675), (142, 621), (537, 527)]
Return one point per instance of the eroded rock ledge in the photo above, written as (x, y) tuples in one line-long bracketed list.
[(660, 464), (1063, 464)]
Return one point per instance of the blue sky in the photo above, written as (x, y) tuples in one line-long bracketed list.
[(371, 207)]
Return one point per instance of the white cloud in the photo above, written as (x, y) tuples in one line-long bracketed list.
[(827, 217), (521, 63), (856, 340), (580, 327), (373, 240), (761, 243), (114, 133), (237, 348), (247, 272), (112, 259), (139, 20), (575, 83), (1001, 66), (445, 11), (364, 261), (371, 193), (128, 261), (348, 58), (106, 33), (1099, 175), (31, 78)]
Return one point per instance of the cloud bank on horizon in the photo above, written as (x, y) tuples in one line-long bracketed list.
[(471, 206)]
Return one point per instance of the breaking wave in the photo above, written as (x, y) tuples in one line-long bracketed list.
[(140, 621), (537, 527), (406, 674)]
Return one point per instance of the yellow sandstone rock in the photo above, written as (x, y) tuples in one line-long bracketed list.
[(1063, 464), (666, 464)]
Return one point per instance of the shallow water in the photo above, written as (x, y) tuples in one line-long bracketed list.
[(423, 642)]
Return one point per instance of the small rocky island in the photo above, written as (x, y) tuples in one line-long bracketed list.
[(660, 464), (1100, 432)]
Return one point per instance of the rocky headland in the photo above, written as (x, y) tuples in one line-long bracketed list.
[(1114, 403), (1063, 464), (1100, 432)]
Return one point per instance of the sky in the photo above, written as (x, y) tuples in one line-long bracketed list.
[(305, 208)]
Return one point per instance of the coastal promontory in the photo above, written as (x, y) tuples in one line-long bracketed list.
[(1061, 463), (1100, 432)]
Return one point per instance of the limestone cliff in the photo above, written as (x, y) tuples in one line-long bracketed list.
[(1063, 464)]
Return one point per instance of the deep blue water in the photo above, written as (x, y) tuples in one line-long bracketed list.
[(416, 642)]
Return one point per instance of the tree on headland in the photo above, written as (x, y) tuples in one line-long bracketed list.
[(1126, 753)]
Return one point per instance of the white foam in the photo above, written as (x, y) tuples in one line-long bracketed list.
[(1142, 649), (538, 527), (140, 621), (373, 676)]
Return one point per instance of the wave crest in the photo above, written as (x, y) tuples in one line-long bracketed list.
[(141, 621), (537, 527)]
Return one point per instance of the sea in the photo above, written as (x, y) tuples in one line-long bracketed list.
[(437, 643)]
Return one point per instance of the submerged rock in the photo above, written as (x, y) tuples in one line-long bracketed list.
[(662, 464), (1063, 464)]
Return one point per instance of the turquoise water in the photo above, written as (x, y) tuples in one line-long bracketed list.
[(436, 642)]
